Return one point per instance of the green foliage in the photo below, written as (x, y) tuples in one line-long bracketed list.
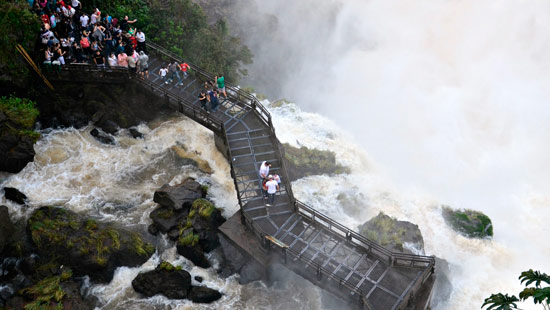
[(531, 276), (142, 248), (47, 294), (204, 189), (19, 25), (540, 295), (20, 111), (500, 302), (189, 239), (169, 267), (204, 207), (471, 223)]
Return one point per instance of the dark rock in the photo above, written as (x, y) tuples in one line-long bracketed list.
[(109, 127), (73, 300), (252, 271), (8, 269), (303, 162), (470, 223), (198, 279), (88, 247), (205, 220), (102, 137), (201, 294), (174, 284), (195, 254), (174, 234), (27, 265), (135, 133), (6, 292), (14, 195), (398, 236), (153, 229), (3, 117), (179, 196), (6, 228), (15, 152), (166, 218)]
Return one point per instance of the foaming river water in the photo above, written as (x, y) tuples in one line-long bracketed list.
[(116, 183)]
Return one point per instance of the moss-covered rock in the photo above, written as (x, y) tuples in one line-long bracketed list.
[(470, 223), (304, 161), (398, 236), (17, 118), (88, 247)]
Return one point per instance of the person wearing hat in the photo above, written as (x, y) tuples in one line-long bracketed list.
[(272, 188)]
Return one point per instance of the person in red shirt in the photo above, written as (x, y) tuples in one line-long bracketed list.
[(184, 67)]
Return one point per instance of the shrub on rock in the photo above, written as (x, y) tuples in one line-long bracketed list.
[(393, 234), (470, 223)]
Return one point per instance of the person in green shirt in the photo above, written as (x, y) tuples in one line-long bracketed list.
[(221, 85)]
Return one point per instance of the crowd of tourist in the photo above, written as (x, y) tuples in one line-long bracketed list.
[(70, 35)]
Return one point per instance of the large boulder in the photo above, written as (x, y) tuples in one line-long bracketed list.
[(15, 195), (89, 247), (6, 228), (205, 220), (398, 236), (170, 281), (470, 223), (304, 161), (179, 196), (166, 219), (201, 294), (193, 253), (15, 151)]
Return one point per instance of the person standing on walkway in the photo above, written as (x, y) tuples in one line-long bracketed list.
[(221, 85), (140, 37), (174, 68), (163, 72), (122, 60), (143, 65), (272, 188), (264, 169), (184, 67), (202, 99), (213, 98)]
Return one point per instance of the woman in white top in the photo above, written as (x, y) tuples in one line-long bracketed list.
[(112, 60)]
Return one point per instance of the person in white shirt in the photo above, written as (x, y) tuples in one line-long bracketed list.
[(264, 169), (162, 72), (112, 60), (272, 188), (140, 38), (84, 20), (76, 4)]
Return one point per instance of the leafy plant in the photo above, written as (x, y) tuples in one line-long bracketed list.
[(540, 295)]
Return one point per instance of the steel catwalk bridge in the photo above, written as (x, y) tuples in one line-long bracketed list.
[(309, 243)]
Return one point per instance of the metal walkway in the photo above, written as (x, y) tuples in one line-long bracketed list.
[(311, 244)]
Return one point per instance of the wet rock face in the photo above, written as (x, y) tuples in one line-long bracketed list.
[(302, 162), (201, 294), (180, 196), (184, 215), (398, 236), (15, 152), (6, 228), (88, 247), (470, 223), (174, 284), (15, 195)]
